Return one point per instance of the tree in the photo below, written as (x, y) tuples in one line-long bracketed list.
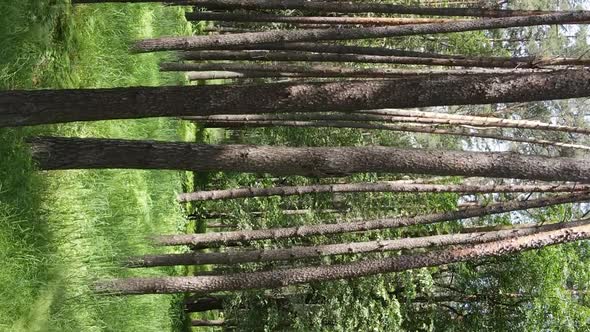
[(483, 62), (81, 153), (373, 187), (318, 251), (20, 108), (293, 276), (287, 36), (245, 236)]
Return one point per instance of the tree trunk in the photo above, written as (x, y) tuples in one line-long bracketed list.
[(481, 62), (232, 238), (417, 128), (19, 108), (318, 251), (372, 187), (263, 17), (86, 153), (338, 7), (201, 322), (286, 36), (287, 277), (204, 304)]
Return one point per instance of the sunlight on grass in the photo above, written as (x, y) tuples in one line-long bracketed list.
[(61, 231)]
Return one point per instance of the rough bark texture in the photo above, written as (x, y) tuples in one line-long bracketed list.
[(338, 7), (18, 108), (262, 17), (292, 276), (481, 62), (286, 36), (293, 253), (373, 187), (229, 238), (411, 127), (86, 153)]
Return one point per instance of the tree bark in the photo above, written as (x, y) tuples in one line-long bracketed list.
[(53, 153), (413, 127), (19, 108), (372, 187), (231, 238), (263, 17), (480, 62), (318, 251), (339, 7), (286, 36), (204, 304), (202, 322), (292, 276)]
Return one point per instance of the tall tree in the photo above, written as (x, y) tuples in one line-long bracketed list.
[(318, 251), (245, 236), (374, 187), (293, 276), (19, 108), (79, 153), (286, 36)]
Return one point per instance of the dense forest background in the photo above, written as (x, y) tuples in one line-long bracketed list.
[(62, 231)]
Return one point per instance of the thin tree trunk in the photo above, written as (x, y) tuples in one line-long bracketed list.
[(263, 17), (318, 251), (286, 36), (287, 277), (201, 322), (481, 62), (204, 304), (19, 108), (85, 153), (231, 238), (372, 187), (393, 127), (339, 7)]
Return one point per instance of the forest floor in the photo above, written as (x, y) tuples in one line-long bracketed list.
[(61, 231)]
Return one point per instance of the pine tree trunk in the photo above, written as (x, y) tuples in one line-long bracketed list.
[(478, 62), (287, 36), (86, 153), (245, 236), (373, 187), (411, 127), (293, 276), (263, 17), (201, 322), (204, 304), (338, 7), (318, 251), (19, 108)]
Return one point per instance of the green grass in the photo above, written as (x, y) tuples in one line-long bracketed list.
[(61, 231)]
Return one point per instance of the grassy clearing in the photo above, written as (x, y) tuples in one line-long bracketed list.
[(60, 231)]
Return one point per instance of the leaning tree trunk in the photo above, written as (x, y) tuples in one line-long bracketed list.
[(338, 7), (292, 276), (411, 127), (372, 187), (19, 108), (481, 62), (318, 251), (85, 153), (245, 236), (263, 17), (286, 36)]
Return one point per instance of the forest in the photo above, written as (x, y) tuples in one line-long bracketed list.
[(288, 165)]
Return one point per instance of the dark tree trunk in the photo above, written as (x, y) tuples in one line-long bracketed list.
[(232, 238), (204, 304), (338, 7), (19, 108), (318, 251), (481, 62), (86, 153), (293, 276), (201, 322), (263, 17), (286, 36)]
